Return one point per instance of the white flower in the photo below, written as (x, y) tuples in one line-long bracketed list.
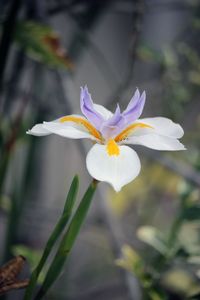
[(110, 160)]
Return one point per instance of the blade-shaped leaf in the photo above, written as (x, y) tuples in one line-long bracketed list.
[(71, 197), (67, 241)]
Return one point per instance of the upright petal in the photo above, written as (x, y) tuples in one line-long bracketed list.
[(117, 170), (113, 125), (135, 107), (87, 108)]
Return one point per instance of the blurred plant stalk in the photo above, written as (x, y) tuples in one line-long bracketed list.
[(7, 35)]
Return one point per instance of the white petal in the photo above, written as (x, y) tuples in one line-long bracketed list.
[(157, 142), (116, 170), (68, 130), (38, 130), (163, 126), (106, 114)]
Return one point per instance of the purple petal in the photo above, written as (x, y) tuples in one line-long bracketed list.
[(88, 110), (115, 118), (113, 125), (135, 107), (134, 100)]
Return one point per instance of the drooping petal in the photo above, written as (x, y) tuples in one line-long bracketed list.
[(38, 130), (164, 126), (117, 170), (87, 108), (72, 126), (135, 107), (156, 141)]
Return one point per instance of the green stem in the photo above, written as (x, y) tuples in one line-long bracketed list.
[(3, 168), (67, 241), (12, 225)]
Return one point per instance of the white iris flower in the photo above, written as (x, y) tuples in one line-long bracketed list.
[(109, 159)]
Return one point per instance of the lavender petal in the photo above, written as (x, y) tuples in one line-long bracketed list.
[(88, 110), (135, 107), (113, 125)]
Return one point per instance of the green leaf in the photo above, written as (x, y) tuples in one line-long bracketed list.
[(181, 281), (130, 260), (32, 256), (153, 237), (71, 197), (195, 297), (156, 294), (67, 241), (191, 213), (42, 43)]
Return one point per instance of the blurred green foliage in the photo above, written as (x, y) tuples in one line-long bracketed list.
[(43, 44), (168, 267)]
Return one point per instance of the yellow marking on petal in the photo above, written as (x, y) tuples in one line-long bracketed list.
[(128, 130), (90, 128), (112, 148)]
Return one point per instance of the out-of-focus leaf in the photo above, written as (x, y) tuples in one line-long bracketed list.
[(196, 23), (192, 213), (42, 43), (180, 281), (5, 203), (156, 179), (191, 55), (189, 237), (147, 54), (170, 58), (134, 263), (153, 237), (194, 77), (194, 260), (154, 294), (196, 296), (198, 273), (130, 260), (31, 255)]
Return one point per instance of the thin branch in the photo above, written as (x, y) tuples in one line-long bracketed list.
[(6, 40), (137, 23)]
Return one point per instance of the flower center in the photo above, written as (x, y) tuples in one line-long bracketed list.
[(90, 128), (112, 148), (128, 130)]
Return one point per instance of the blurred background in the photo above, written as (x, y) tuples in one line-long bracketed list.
[(141, 243)]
